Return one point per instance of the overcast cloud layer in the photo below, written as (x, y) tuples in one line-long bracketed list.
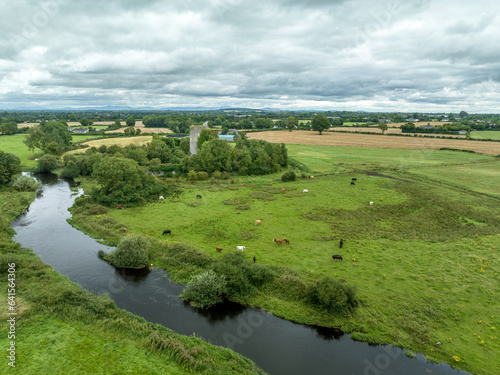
[(394, 55)]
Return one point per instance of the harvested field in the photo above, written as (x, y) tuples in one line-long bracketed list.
[(122, 142), (391, 130), (375, 141), (138, 125)]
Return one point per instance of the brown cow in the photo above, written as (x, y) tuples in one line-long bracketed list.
[(285, 240), (119, 206), (257, 222), (219, 249), (278, 241)]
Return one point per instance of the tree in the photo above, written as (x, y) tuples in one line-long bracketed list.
[(9, 128), (320, 123), (383, 126), (463, 114), (408, 127), (9, 166), (205, 135), (291, 122), (130, 121), (51, 137), (86, 122), (215, 155)]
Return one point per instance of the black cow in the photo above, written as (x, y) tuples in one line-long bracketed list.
[(352, 183), (254, 259), (198, 196), (341, 242), (354, 179), (337, 257), (167, 231)]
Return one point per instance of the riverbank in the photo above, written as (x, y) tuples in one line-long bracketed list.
[(60, 328)]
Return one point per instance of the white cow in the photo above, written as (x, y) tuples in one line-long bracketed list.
[(305, 191), (371, 203), (161, 197), (240, 248)]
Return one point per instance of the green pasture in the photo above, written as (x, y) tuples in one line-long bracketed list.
[(14, 144), (485, 134), (349, 123), (480, 177), (424, 257), (329, 159)]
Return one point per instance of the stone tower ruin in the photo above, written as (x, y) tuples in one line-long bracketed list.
[(194, 133)]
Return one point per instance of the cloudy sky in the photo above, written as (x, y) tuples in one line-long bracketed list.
[(372, 55)]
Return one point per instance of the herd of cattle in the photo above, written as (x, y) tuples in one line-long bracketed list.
[(279, 241)]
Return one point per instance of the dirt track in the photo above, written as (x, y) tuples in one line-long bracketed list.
[(302, 137)]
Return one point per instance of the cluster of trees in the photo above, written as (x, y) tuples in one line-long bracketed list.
[(410, 127), (51, 137), (124, 174), (10, 127)]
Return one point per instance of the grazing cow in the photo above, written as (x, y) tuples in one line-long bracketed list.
[(167, 231), (371, 203), (240, 248), (254, 259), (305, 191), (337, 257), (124, 230), (198, 196), (119, 206), (278, 241), (283, 189), (341, 243), (219, 249), (354, 179), (161, 197), (352, 183), (311, 177), (285, 240), (257, 222)]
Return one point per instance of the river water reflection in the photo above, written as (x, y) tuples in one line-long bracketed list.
[(276, 345)]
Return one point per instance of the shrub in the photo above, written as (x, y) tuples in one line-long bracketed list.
[(46, 164), (131, 252), (202, 176), (333, 295), (290, 286), (288, 176), (238, 285), (25, 183), (71, 170), (205, 290), (98, 210)]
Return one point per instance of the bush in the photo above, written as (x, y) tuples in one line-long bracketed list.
[(205, 290), (131, 252), (71, 170), (25, 183), (46, 164), (291, 287), (238, 285), (98, 210), (202, 176), (288, 176), (333, 295)]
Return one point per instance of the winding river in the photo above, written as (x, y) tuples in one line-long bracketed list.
[(276, 345)]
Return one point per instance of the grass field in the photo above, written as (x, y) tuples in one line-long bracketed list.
[(485, 134), (14, 144), (424, 257), (122, 142)]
